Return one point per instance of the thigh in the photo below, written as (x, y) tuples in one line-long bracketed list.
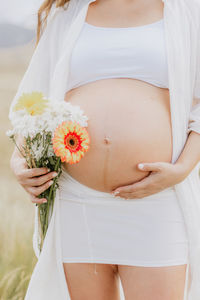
[(84, 284), (153, 283)]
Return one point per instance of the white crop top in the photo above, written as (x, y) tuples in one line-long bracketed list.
[(110, 52)]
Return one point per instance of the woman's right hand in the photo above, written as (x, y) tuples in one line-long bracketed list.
[(34, 181)]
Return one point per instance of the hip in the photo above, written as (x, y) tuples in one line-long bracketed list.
[(120, 231), (72, 190)]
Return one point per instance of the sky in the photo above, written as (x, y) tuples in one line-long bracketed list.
[(20, 12)]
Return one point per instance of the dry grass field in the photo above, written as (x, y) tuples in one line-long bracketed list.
[(17, 258)]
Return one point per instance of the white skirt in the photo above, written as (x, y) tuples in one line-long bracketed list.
[(98, 227)]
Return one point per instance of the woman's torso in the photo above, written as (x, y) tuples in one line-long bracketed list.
[(129, 118)]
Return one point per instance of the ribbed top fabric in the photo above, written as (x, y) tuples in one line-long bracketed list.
[(127, 52)]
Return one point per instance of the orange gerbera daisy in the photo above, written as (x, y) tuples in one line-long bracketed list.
[(70, 141)]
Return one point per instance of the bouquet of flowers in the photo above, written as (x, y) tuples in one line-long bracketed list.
[(52, 133)]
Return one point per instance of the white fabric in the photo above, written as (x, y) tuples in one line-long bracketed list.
[(110, 52), (48, 72), (99, 227)]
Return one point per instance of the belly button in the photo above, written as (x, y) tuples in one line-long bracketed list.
[(106, 140)]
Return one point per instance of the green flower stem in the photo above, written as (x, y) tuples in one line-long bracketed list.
[(48, 204), (50, 201)]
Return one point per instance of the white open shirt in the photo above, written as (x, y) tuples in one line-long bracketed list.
[(48, 73)]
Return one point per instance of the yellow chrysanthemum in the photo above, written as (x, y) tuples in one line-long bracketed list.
[(34, 103), (70, 141)]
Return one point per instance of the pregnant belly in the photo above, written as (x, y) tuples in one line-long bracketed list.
[(129, 122)]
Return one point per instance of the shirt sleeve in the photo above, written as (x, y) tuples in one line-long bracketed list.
[(194, 117), (40, 69)]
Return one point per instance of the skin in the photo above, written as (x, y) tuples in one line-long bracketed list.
[(139, 283), (146, 283)]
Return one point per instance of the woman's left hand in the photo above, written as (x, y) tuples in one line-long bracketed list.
[(162, 175)]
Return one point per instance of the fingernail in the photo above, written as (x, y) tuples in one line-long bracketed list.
[(115, 193), (50, 182), (44, 201), (141, 166), (54, 174), (48, 170)]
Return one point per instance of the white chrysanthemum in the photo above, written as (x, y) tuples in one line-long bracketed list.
[(37, 150), (55, 114), (10, 133), (65, 111), (50, 151)]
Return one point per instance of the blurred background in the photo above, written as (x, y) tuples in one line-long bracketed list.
[(18, 20)]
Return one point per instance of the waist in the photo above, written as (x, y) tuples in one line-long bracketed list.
[(72, 190)]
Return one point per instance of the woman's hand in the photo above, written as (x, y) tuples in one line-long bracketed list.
[(162, 175), (34, 181)]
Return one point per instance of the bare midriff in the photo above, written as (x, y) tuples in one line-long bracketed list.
[(129, 123)]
